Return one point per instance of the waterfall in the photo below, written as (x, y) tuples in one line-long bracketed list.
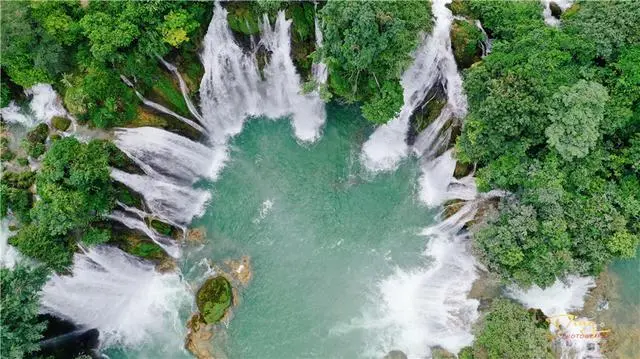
[(8, 254), (183, 89), (486, 41), (319, 68), (427, 306), (546, 13), (556, 302), (168, 244), (432, 61), (437, 184), (173, 203), (44, 105), (168, 156), (232, 88), (120, 295), (158, 107)]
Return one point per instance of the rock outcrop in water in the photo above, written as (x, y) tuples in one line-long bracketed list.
[(214, 298)]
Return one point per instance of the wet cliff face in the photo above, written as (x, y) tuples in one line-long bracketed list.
[(64, 339), (244, 20)]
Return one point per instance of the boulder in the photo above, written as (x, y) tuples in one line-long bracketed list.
[(466, 43), (60, 123), (421, 118), (196, 235), (214, 298), (556, 10), (198, 340)]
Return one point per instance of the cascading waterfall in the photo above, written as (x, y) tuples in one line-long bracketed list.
[(319, 69), (168, 244), (8, 254), (556, 302), (424, 307), (44, 105), (546, 13), (232, 88), (438, 185), (168, 156), (120, 295), (173, 203), (433, 61)]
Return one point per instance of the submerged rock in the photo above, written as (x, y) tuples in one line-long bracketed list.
[(214, 298), (240, 270), (196, 235)]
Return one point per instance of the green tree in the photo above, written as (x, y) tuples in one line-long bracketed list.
[(20, 329), (177, 26), (367, 46), (575, 118), (510, 331)]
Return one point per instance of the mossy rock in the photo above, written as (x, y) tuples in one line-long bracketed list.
[(243, 17), (571, 11), (22, 161), (214, 298), (127, 196), (163, 228), (60, 123), (556, 10), (466, 43), (39, 134), (460, 8)]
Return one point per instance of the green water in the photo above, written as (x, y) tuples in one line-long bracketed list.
[(331, 233)]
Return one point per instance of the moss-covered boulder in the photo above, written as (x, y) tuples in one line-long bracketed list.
[(34, 142), (60, 123), (427, 112), (214, 298), (466, 43), (460, 8)]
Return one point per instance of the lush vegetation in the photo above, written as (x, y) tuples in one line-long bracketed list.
[(555, 120), (84, 50), (510, 331), (75, 192), (367, 46), (20, 329), (213, 299)]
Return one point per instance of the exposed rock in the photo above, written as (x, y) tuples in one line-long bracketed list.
[(240, 270), (214, 298), (466, 43), (556, 10), (198, 340), (60, 123), (441, 353), (196, 235), (434, 101), (395, 354), (462, 170)]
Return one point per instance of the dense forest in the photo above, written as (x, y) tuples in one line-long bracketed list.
[(554, 120)]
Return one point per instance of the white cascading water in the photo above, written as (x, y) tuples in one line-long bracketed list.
[(172, 203), (438, 185), (546, 13), (166, 155), (43, 107), (418, 309), (319, 69), (232, 88), (168, 244), (433, 61), (120, 295), (557, 302), (8, 254)]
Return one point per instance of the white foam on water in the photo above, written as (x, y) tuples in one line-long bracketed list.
[(44, 105), (427, 306), (120, 295)]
